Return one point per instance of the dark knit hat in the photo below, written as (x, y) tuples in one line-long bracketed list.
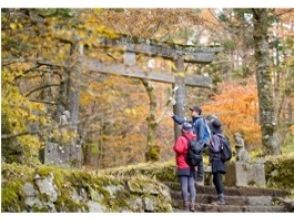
[(187, 126), (216, 126)]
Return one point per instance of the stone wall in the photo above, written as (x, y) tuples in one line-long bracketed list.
[(52, 189)]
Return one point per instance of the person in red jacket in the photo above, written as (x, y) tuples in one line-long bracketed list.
[(185, 173)]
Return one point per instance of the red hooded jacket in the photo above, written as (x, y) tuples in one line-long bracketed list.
[(181, 149)]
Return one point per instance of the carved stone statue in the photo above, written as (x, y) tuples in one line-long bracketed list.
[(242, 154)]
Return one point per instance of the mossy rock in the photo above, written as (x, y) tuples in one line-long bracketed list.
[(279, 172), (12, 197), (77, 191), (162, 171)]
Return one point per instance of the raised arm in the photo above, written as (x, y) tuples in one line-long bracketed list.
[(178, 119)]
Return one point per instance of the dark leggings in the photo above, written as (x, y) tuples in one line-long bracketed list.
[(218, 183), (200, 169), (188, 187)]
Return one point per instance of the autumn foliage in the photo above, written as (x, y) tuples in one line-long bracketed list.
[(237, 106)]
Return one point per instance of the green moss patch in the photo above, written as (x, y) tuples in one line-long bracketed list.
[(279, 172), (162, 171), (76, 190)]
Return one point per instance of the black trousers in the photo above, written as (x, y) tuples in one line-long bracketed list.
[(200, 170), (218, 183)]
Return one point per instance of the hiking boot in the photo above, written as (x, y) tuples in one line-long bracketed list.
[(192, 207), (218, 203), (200, 181), (220, 200), (186, 206), (199, 178)]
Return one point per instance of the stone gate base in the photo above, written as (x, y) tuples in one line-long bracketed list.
[(62, 155), (245, 174)]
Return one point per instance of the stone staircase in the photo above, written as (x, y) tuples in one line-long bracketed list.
[(238, 199)]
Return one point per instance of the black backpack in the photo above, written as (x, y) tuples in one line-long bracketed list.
[(194, 154), (225, 149)]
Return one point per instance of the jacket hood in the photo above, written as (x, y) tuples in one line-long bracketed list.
[(190, 135)]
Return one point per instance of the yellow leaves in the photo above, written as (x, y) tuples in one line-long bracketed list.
[(98, 10), (30, 141), (18, 112), (131, 111), (15, 26), (86, 98), (127, 110), (180, 74), (292, 129), (173, 66), (63, 135)]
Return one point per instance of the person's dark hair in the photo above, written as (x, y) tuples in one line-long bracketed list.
[(196, 108)]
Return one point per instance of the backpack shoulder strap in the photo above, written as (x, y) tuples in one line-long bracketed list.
[(204, 120)]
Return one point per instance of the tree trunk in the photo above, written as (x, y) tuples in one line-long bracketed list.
[(153, 150), (270, 137)]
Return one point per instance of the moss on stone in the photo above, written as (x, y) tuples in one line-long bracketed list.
[(120, 203), (153, 153), (12, 196), (162, 171), (65, 203), (108, 190), (279, 172), (59, 174), (251, 183), (40, 209)]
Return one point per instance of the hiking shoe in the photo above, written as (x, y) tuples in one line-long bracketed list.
[(187, 206), (199, 178), (192, 207), (220, 199), (218, 203)]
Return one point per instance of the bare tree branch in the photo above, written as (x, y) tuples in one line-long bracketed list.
[(44, 102), (7, 62), (47, 63), (40, 88), (64, 40), (8, 136)]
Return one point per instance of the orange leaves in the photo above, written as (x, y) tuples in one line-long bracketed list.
[(237, 107)]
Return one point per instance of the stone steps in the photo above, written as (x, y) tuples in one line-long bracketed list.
[(238, 199), (230, 200), (232, 208), (234, 191)]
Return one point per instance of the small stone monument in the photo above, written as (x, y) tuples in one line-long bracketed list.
[(60, 151), (244, 172)]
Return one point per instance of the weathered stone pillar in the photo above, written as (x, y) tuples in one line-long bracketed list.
[(61, 150), (180, 94), (129, 58), (75, 151)]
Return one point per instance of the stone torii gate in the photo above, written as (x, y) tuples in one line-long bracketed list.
[(179, 54)]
